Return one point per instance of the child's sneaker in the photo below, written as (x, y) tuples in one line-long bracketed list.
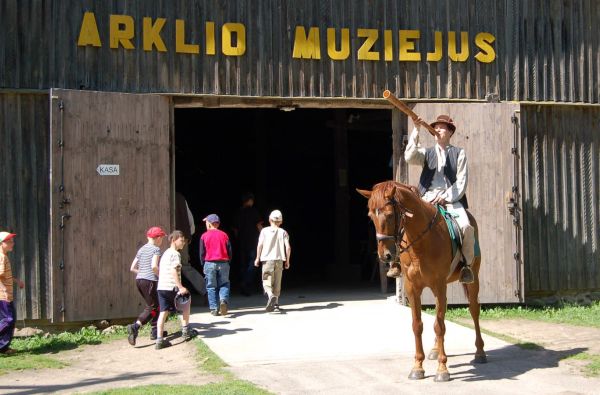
[(153, 334), (188, 333), (214, 312), (162, 344), (223, 307), (271, 303), (132, 333)]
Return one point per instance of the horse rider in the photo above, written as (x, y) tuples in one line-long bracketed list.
[(444, 180)]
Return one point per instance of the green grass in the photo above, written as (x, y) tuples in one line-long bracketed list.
[(592, 368), (230, 387), (36, 352), (568, 314)]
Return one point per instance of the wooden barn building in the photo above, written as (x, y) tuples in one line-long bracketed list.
[(107, 108)]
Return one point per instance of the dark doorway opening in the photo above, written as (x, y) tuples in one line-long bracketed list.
[(290, 162)]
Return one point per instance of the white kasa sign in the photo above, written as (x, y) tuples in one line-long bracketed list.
[(108, 170)]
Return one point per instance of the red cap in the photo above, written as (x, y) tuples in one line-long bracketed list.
[(5, 236), (155, 232)]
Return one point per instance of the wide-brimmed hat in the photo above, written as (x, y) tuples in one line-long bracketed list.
[(444, 119)]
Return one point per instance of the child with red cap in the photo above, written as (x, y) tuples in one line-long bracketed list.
[(8, 314), (145, 265)]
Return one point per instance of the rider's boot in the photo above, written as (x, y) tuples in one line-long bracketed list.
[(468, 251), (394, 271)]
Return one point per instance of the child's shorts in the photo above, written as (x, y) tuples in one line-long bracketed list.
[(166, 300)]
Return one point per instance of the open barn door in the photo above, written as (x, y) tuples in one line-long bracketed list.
[(110, 181), (486, 132)]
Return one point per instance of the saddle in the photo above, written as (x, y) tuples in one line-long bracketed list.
[(455, 239)]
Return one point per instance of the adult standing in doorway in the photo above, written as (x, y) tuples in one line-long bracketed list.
[(249, 223), (184, 222), (444, 180)]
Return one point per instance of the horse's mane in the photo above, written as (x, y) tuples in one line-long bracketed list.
[(378, 199)]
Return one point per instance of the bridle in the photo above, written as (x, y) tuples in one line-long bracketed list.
[(400, 215)]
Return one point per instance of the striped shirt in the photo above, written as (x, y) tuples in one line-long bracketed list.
[(144, 257), (6, 279)]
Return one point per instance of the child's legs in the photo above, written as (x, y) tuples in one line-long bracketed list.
[(277, 274), (185, 314), (223, 282), (268, 269), (162, 317), (210, 277), (147, 289), (8, 318)]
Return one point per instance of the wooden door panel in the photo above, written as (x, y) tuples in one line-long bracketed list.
[(104, 217), (485, 131)]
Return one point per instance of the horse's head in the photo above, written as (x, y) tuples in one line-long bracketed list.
[(388, 216)]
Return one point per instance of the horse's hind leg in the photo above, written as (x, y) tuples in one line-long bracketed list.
[(474, 308)]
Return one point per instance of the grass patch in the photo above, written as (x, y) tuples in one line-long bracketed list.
[(28, 361), (592, 368), (231, 387), (568, 314), (35, 352), (209, 361)]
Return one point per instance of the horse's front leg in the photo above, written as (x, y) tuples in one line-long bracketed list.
[(442, 373), (414, 297), (472, 291)]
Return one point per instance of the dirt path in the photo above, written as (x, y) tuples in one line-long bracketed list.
[(112, 365)]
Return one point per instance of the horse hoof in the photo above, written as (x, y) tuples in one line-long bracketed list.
[(480, 359), (417, 374), (433, 355), (442, 377)]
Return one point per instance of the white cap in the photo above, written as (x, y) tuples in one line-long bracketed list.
[(276, 216)]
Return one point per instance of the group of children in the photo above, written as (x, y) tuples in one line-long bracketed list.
[(158, 278)]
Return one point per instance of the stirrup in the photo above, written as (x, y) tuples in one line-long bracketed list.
[(466, 275)]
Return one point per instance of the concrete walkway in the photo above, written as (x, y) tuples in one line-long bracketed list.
[(361, 342)]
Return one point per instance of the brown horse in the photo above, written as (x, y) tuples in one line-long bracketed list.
[(411, 230)]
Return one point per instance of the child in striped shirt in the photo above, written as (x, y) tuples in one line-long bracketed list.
[(145, 265)]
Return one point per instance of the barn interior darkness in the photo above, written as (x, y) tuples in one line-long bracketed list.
[(289, 161)]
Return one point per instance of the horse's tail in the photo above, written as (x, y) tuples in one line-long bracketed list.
[(466, 291)]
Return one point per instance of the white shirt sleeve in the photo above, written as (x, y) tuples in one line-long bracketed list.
[(457, 190), (414, 153)]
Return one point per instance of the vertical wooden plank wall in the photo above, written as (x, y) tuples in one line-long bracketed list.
[(24, 196), (561, 205), (546, 50)]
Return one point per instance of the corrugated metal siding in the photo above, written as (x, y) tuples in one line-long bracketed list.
[(561, 199), (547, 50), (24, 196)]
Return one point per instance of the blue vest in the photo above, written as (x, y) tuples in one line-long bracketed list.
[(430, 166)]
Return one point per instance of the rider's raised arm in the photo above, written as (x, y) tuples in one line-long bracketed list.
[(414, 153)]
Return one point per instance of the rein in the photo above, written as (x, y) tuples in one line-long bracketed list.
[(399, 234)]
